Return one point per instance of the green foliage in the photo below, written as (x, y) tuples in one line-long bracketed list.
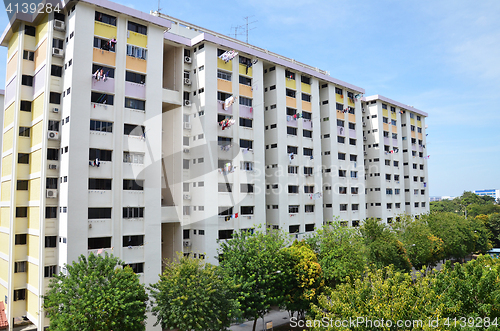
[(97, 294), (192, 295), (476, 209), (341, 252), (383, 247), (493, 224), (254, 261), (304, 277), (445, 206)]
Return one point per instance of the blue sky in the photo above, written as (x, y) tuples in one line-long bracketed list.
[(439, 56)]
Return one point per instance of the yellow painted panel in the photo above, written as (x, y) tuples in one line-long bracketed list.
[(33, 275), (136, 64), (340, 115), (34, 189), (13, 43), (243, 70), (350, 102), (4, 243), (394, 128), (36, 133), (104, 30), (5, 217), (224, 85), (7, 165), (291, 102), (223, 65), (339, 98), (394, 116), (419, 124), (37, 107), (306, 105), (9, 115), (36, 161), (290, 83), (6, 191), (41, 29), (104, 57), (385, 112), (306, 88), (386, 127), (12, 66), (34, 218), (246, 91), (413, 134), (41, 53), (4, 267), (352, 118), (137, 39), (33, 246), (32, 304), (412, 121), (8, 140)]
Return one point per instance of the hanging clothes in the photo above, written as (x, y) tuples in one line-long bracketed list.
[(229, 102), (290, 157)]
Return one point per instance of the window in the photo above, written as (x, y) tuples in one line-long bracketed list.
[(308, 152), (57, 43), (289, 74), (101, 126), (412, 115), (105, 18), (135, 77), (133, 130), (50, 241), (51, 183), (53, 154), (225, 234), (28, 55), (385, 120), (108, 71), (393, 122), (290, 93), (306, 97), (221, 96), (352, 126), (246, 188), (293, 189), (247, 166), (308, 171), (99, 213), (104, 44), (343, 207), (131, 157), (245, 101), (99, 184), (20, 295), (20, 266), (352, 141), (103, 98), (340, 106), (354, 174), (135, 104), (224, 141), (101, 154), (53, 125), (24, 131), (245, 81), (293, 169), (137, 268), (246, 143), (21, 239), (247, 210), (305, 79), (291, 130), (55, 98), (342, 190), (224, 75), (133, 185), (138, 52), (355, 206), (340, 140), (309, 208), (50, 212), (136, 240), (25, 105), (27, 80), (396, 163), (307, 133), (291, 111), (136, 27), (133, 212), (225, 187), (246, 122), (100, 242), (342, 173), (388, 191), (29, 30), (308, 189), (23, 158)]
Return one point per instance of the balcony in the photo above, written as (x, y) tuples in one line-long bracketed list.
[(133, 254), (135, 90), (100, 198), (104, 170), (339, 98), (225, 65), (134, 143), (137, 39), (171, 96), (290, 121), (224, 85), (133, 198), (307, 124), (104, 57), (291, 102), (246, 111), (104, 30), (291, 83), (221, 110), (246, 91), (305, 88), (306, 105), (244, 71), (136, 64)]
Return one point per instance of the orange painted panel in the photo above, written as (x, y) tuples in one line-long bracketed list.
[(340, 115), (136, 64), (386, 127), (105, 57), (306, 105), (291, 102), (352, 118), (394, 128), (420, 136), (224, 85), (246, 91), (41, 53), (413, 134)]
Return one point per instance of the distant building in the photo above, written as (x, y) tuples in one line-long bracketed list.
[(491, 193), (440, 198)]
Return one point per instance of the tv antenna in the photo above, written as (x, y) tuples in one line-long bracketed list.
[(159, 6), (243, 28)]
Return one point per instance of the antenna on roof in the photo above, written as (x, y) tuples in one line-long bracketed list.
[(243, 27), (159, 6)]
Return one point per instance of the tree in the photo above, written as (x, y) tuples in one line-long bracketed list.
[(97, 294), (305, 278), (192, 295), (450, 206), (383, 247), (253, 260), (341, 252), (482, 235), (494, 226)]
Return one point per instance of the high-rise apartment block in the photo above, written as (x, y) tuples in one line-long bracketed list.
[(142, 135)]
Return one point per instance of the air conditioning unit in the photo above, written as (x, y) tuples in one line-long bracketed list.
[(53, 135), (57, 52), (186, 197), (51, 193), (187, 103), (365, 138), (187, 126), (55, 110), (364, 123), (187, 81), (53, 166), (186, 243), (59, 25), (186, 150), (187, 59)]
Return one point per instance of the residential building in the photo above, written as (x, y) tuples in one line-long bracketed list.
[(142, 135), (491, 193)]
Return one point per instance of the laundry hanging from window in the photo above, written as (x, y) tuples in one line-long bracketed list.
[(229, 102), (226, 123), (228, 56)]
